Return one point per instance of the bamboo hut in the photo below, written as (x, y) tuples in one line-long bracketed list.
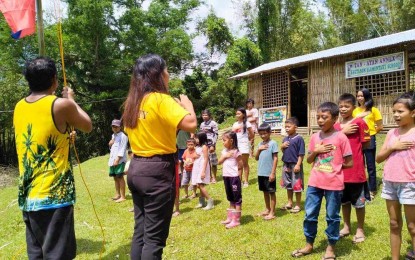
[(302, 83)]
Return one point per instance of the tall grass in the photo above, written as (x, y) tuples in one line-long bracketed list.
[(198, 234)]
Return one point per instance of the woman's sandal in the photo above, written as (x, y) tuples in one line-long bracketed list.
[(286, 207), (295, 210)]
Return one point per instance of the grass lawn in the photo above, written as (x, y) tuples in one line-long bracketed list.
[(197, 234)]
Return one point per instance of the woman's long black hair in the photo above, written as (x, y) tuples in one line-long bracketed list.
[(368, 99), (202, 137), (243, 111), (147, 77)]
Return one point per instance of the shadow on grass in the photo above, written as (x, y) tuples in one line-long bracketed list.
[(122, 252), (245, 219), (88, 246), (253, 181)]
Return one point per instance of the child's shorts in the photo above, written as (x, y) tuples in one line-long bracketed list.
[(117, 170), (356, 193), (233, 190), (265, 185), (291, 180), (180, 153), (186, 177), (213, 158), (244, 146), (402, 191)]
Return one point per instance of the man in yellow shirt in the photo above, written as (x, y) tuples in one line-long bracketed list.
[(46, 195)]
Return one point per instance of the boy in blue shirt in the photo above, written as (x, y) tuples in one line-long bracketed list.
[(293, 149), (267, 157)]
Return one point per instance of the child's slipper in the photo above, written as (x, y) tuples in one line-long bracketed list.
[(116, 198), (298, 253), (176, 213), (357, 240), (268, 217), (295, 210), (286, 207), (328, 257), (410, 255)]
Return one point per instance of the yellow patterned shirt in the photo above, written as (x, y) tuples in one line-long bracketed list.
[(46, 179)]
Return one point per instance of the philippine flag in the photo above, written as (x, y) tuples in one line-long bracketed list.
[(20, 15)]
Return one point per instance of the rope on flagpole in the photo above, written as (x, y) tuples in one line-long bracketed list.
[(61, 51)]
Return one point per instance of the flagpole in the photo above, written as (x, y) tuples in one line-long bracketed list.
[(40, 34)]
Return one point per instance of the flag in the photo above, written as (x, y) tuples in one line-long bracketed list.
[(20, 15)]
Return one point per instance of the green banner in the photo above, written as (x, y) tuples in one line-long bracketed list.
[(375, 65)]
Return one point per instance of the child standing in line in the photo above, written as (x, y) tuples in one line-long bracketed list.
[(201, 171), (181, 143), (118, 146), (293, 151), (188, 158), (329, 152), (244, 132), (267, 157), (356, 190), (210, 127), (232, 165), (399, 173), (252, 117)]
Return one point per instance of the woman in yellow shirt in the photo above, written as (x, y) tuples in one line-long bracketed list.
[(151, 118), (373, 119)]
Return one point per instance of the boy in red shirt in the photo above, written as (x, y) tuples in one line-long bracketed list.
[(329, 152), (356, 190)]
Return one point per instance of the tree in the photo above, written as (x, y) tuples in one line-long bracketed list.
[(217, 32), (224, 96)]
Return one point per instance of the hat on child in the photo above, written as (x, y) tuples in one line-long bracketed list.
[(116, 122)]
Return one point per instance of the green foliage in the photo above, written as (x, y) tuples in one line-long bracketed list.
[(217, 32), (287, 29)]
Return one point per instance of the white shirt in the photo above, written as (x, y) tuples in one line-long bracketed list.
[(119, 148)]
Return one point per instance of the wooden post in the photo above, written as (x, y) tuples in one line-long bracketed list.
[(40, 34)]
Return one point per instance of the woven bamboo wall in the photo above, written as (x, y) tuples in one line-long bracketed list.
[(386, 87), (255, 90), (319, 80), (327, 82), (275, 89)]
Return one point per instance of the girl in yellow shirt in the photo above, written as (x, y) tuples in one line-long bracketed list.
[(373, 119), (151, 118)]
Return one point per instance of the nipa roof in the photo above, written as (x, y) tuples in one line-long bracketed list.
[(375, 43)]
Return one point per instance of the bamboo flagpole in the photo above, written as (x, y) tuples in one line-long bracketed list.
[(40, 33)]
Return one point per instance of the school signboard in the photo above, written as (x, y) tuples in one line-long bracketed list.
[(375, 65), (274, 116)]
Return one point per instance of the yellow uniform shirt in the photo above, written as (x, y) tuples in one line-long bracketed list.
[(370, 119), (46, 180), (155, 133)]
